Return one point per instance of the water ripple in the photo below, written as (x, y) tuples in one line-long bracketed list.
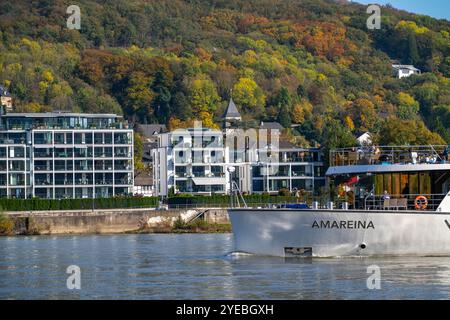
[(201, 266)]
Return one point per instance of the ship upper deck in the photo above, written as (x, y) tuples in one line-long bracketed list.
[(373, 159)]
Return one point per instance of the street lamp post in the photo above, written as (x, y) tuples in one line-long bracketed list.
[(230, 170)]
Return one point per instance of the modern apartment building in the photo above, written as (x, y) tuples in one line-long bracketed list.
[(296, 169), (194, 162), (197, 161), (65, 155), (181, 164)]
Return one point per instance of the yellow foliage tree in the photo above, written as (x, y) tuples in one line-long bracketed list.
[(301, 111), (247, 93), (411, 26), (207, 120), (203, 95), (47, 76), (349, 123)]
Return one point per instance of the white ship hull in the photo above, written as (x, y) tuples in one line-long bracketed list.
[(330, 233)]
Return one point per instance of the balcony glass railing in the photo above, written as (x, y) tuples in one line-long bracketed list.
[(123, 181), (104, 182), (42, 141), (61, 182), (61, 167), (63, 154), (82, 181), (40, 182), (122, 165), (43, 153)]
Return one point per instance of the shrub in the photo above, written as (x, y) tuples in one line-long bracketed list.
[(180, 224), (284, 192), (6, 224)]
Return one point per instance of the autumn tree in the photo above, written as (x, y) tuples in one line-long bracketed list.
[(139, 96), (203, 96), (249, 95), (407, 132), (407, 107)]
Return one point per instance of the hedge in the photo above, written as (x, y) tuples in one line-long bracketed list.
[(224, 200), (37, 204)]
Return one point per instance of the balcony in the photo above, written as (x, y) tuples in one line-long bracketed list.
[(103, 167), (82, 181), (122, 165), (122, 138), (39, 182), (62, 167), (123, 181), (17, 166), (103, 182), (84, 167), (63, 182), (103, 154), (38, 167), (43, 153)]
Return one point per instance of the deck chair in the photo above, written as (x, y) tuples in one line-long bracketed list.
[(392, 204), (352, 157), (402, 203)]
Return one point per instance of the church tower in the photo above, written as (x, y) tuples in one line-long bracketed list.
[(232, 114)]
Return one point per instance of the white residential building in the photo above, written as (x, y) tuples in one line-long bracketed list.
[(191, 162), (196, 161), (65, 155), (402, 71)]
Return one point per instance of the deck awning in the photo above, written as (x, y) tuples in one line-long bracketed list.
[(392, 168), (209, 181)]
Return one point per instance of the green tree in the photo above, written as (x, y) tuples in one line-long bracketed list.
[(407, 132), (407, 107), (284, 117), (138, 151), (413, 52), (248, 94), (139, 96), (203, 96)]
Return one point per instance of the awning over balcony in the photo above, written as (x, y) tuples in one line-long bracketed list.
[(208, 181)]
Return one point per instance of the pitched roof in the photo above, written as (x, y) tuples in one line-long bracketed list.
[(149, 130), (283, 144), (232, 111), (405, 66), (142, 178), (4, 92), (271, 125)]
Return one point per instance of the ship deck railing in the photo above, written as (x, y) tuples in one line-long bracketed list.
[(400, 202), (388, 155), (431, 202)]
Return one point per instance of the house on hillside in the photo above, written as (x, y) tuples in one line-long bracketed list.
[(365, 139), (143, 184), (5, 100), (402, 70), (150, 133)]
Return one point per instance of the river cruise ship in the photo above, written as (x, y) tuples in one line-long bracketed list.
[(382, 200)]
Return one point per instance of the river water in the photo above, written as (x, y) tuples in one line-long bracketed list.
[(200, 266)]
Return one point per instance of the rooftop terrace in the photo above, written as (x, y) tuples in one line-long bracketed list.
[(61, 120)]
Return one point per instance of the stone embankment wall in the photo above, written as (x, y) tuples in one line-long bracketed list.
[(107, 221), (216, 216)]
